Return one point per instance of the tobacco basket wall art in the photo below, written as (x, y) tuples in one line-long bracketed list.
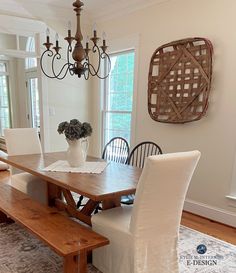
[(180, 81)]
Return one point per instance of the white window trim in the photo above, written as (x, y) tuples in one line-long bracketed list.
[(105, 106), (232, 192), (7, 73), (119, 46)]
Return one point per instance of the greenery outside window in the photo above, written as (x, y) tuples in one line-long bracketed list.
[(118, 97)]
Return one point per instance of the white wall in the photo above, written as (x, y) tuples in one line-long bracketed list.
[(215, 134)]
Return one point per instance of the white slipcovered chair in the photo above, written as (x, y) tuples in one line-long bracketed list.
[(23, 141), (143, 237), (3, 166)]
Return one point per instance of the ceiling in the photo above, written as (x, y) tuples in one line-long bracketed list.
[(62, 9)]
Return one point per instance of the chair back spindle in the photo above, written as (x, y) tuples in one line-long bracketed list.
[(117, 150), (141, 152)]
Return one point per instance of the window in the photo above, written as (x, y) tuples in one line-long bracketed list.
[(5, 117), (30, 47), (118, 97), (34, 102)]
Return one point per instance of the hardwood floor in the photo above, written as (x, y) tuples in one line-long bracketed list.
[(209, 227), (195, 222)]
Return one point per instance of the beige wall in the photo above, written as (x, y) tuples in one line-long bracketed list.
[(66, 99), (215, 134), (63, 99)]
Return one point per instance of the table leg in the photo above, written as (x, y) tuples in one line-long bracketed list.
[(54, 192), (111, 203), (89, 207)]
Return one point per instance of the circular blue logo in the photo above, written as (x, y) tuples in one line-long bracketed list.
[(201, 249)]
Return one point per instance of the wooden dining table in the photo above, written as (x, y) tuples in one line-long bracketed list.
[(105, 188)]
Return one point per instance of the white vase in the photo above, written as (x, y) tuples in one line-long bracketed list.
[(77, 152)]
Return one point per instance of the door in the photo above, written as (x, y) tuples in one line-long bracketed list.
[(33, 100)]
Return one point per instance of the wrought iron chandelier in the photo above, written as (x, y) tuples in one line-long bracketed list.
[(81, 65)]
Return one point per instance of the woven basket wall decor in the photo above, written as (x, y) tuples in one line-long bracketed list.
[(180, 81)]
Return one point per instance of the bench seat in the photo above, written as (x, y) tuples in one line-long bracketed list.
[(66, 237)]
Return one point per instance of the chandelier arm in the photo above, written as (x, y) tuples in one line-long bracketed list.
[(58, 57), (95, 72), (86, 66), (97, 49), (91, 69), (50, 54), (105, 56), (70, 65)]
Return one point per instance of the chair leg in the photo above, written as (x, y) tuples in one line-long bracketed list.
[(97, 209), (79, 203)]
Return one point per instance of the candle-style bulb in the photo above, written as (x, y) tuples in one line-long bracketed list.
[(47, 31), (69, 29), (94, 27), (57, 37), (104, 36), (69, 25), (87, 39), (95, 30)]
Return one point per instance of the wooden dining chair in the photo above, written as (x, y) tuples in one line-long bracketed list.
[(140, 152), (23, 141), (144, 237), (117, 150), (137, 158)]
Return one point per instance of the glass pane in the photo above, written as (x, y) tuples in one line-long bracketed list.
[(28, 44), (119, 97), (30, 63), (3, 67), (121, 82), (117, 124), (5, 121), (34, 95)]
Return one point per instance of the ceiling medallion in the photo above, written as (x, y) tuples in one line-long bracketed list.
[(80, 65)]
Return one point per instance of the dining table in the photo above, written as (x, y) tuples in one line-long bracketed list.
[(105, 188)]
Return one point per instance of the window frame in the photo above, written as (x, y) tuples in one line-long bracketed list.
[(7, 74), (105, 93)]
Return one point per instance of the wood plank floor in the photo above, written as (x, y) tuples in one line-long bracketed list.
[(195, 222), (220, 231)]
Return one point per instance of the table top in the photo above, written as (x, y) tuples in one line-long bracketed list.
[(116, 180)]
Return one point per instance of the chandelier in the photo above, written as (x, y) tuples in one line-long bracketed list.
[(80, 65)]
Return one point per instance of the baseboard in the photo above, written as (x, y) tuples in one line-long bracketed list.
[(213, 213)]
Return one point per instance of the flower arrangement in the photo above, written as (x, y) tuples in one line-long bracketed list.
[(74, 129)]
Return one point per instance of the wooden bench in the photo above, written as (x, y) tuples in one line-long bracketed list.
[(66, 237)]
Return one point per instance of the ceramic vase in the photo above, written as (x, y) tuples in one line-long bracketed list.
[(77, 152)]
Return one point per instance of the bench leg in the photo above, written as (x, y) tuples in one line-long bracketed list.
[(83, 262), (3, 217), (73, 264)]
